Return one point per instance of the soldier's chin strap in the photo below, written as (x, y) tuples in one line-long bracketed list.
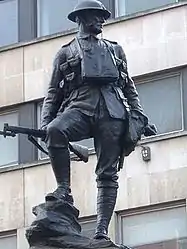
[(34, 141)]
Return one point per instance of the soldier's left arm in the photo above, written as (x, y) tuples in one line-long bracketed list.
[(130, 92), (129, 88)]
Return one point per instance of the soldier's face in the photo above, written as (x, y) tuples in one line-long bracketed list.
[(94, 21)]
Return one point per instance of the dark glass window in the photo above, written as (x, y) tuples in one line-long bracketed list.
[(52, 15), (155, 229), (8, 240), (88, 226), (131, 6), (8, 145), (161, 98), (8, 22)]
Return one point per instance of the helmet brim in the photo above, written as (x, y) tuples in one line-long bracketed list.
[(72, 16)]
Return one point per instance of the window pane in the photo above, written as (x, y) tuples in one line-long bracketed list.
[(88, 227), (52, 16), (8, 242), (154, 227), (87, 142), (8, 145), (110, 5), (132, 6), (8, 22), (161, 100)]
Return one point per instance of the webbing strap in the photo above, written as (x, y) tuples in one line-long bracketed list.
[(33, 141)]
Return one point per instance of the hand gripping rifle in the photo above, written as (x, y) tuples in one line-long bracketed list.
[(11, 131)]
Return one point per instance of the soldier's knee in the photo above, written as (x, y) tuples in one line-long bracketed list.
[(55, 137), (52, 130), (107, 182)]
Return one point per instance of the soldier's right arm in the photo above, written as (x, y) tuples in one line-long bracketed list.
[(54, 96)]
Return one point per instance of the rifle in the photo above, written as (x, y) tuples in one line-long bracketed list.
[(11, 131)]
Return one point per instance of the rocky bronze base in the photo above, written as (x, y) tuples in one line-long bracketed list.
[(56, 226)]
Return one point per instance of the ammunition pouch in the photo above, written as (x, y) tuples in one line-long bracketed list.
[(72, 69), (71, 74), (120, 64), (123, 74)]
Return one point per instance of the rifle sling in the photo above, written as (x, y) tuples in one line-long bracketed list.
[(33, 141)]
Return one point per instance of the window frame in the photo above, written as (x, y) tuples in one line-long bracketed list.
[(17, 19), (23, 110), (117, 7), (8, 234), (119, 215), (146, 79), (86, 220), (6, 112), (27, 20)]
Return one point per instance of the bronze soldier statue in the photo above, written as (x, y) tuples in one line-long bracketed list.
[(87, 97)]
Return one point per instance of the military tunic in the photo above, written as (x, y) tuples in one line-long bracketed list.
[(99, 74)]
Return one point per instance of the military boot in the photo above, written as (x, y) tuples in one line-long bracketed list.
[(60, 160), (106, 200)]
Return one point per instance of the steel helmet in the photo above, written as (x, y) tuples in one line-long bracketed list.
[(88, 5)]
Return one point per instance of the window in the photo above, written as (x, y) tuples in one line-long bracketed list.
[(110, 5), (8, 22), (156, 229), (8, 240), (125, 7), (18, 150), (9, 145), (161, 98), (88, 226), (52, 15)]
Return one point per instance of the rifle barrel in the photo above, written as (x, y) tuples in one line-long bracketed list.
[(7, 134), (23, 130)]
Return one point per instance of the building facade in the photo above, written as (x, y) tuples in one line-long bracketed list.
[(151, 207)]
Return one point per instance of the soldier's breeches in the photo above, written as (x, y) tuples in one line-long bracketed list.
[(55, 137)]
